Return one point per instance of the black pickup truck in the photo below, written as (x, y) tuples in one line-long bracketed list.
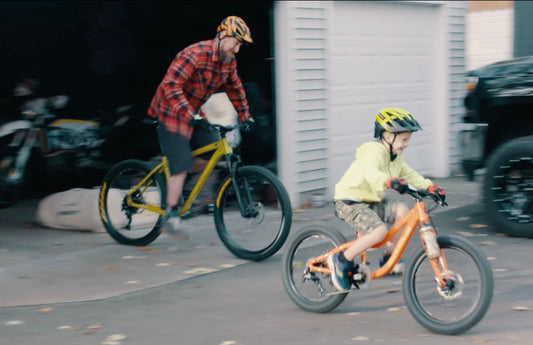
[(497, 135)]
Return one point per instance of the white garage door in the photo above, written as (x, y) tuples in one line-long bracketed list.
[(383, 54)]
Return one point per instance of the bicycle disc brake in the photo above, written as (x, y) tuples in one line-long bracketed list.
[(454, 286), (256, 212)]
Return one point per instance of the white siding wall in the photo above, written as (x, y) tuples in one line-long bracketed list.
[(456, 26), (489, 37), (301, 88)]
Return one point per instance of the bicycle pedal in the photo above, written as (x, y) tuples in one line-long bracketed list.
[(357, 276)]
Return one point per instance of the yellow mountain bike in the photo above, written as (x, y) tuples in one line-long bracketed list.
[(252, 210)]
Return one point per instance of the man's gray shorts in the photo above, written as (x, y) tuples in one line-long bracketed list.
[(178, 148)]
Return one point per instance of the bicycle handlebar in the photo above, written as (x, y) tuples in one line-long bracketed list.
[(422, 193)]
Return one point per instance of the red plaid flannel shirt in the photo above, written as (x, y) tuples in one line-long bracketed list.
[(192, 77)]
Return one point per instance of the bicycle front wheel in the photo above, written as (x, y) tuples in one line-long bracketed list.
[(258, 229), (129, 224), (468, 292), (311, 291)]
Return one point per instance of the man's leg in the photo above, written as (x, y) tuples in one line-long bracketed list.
[(199, 165), (178, 152), (174, 188), (200, 138)]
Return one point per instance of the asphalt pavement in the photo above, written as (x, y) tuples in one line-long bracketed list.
[(41, 265), (45, 269)]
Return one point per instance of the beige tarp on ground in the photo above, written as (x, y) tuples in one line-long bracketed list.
[(77, 209), (74, 209)]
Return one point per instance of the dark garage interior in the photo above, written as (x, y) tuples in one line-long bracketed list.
[(105, 54)]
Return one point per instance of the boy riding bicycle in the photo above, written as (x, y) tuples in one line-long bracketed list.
[(360, 194)]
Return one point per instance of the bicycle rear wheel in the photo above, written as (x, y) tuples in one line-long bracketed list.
[(311, 291), (128, 224), (261, 232), (462, 304)]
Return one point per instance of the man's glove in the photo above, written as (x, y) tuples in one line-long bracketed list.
[(199, 122), (437, 190), (248, 125), (398, 184)]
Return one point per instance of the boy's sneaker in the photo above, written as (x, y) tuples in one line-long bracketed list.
[(340, 272), (397, 269), (174, 225)]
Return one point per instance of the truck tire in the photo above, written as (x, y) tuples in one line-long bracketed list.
[(508, 187)]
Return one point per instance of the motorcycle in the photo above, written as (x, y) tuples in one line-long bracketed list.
[(41, 143)]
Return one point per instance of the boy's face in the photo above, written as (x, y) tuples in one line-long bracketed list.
[(401, 142)]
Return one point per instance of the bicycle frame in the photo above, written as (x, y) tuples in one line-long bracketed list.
[(221, 149), (416, 217)]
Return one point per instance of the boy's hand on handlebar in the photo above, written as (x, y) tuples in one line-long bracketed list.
[(398, 184), (248, 125), (437, 190), (199, 122)]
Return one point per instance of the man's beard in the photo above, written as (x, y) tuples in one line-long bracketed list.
[(225, 59)]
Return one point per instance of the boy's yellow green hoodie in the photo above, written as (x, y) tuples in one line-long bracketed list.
[(365, 178)]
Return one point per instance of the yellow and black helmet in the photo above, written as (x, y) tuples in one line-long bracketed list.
[(395, 120), (236, 27)]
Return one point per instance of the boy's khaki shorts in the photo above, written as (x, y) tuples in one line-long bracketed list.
[(365, 217)]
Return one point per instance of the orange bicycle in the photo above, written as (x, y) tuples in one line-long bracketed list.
[(447, 284)]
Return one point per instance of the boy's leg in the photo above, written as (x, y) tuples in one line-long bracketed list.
[(366, 241), (366, 221), (392, 212)]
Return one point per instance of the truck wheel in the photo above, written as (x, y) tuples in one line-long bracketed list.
[(508, 187)]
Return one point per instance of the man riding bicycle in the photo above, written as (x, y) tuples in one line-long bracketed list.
[(197, 72)]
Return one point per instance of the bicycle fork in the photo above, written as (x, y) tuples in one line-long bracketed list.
[(244, 201), (434, 253)]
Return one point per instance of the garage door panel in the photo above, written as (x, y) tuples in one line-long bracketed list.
[(382, 55)]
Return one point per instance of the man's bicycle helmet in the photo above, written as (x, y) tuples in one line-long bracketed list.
[(236, 27), (395, 120)]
